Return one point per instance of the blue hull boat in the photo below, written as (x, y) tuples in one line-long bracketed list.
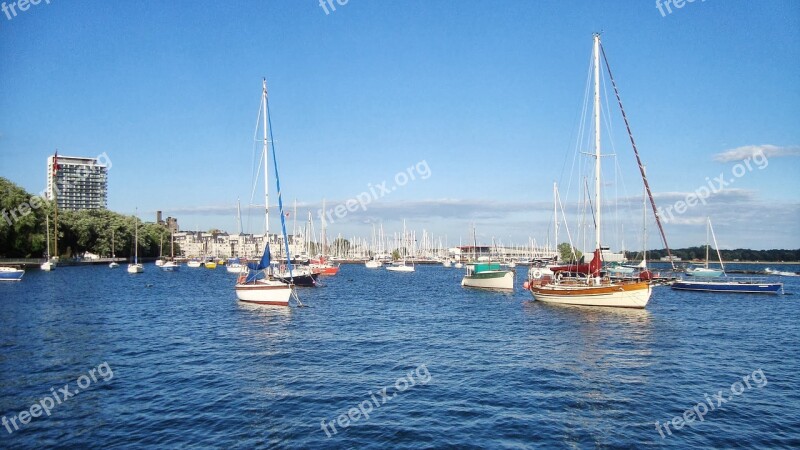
[(11, 274), (740, 286)]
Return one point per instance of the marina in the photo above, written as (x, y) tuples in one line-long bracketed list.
[(416, 225), (540, 374)]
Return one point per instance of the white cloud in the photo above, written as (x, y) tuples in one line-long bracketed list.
[(748, 151)]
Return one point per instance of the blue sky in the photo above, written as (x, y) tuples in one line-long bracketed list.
[(487, 94)]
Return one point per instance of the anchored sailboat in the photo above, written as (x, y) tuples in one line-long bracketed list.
[(135, 267), (258, 285), (585, 284), (706, 271)]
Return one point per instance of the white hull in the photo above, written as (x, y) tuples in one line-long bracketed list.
[(400, 268), (264, 293), (48, 266), (499, 282), (602, 297), (113, 265), (459, 266), (170, 266), (159, 262), (447, 264), (194, 264), (135, 268), (236, 268), (373, 264)]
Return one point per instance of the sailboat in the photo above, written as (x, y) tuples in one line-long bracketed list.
[(48, 265), (171, 265), (267, 290), (322, 264), (403, 267), (135, 267), (374, 262), (705, 271), (113, 264), (486, 274), (588, 286), (160, 260), (722, 282)]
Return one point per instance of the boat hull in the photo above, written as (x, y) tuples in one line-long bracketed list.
[(135, 268), (729, 286), (490, 280), (400, 268), (264, 293), (170, 267), (373, 264), (626, 295), (11, 274)]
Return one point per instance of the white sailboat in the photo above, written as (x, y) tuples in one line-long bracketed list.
[(374, 263), (265, 290), (135, 267), (113, 264), (48, 265), (160, 261), (589, 287), (403, 267), (705, 271), (171, 265)]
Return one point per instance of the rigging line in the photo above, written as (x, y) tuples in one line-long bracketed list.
[(638, 159)]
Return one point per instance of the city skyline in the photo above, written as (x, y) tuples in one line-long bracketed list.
[(485, 96)]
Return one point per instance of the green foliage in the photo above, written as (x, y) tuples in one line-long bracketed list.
[(741, 254), (78, 231), (395, 255), (568, 253)]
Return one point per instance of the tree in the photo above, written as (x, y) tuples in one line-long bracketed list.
[(568, 253)]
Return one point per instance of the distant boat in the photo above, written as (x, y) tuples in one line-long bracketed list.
[(11, 274), (730, 285), (249, 287), (171, 265), (402, 266), (135, 267), (708, 280), (113, 264), (300, 276), (49, 264), (486, 275), (706, 271), (210, 265), (235, 266), (447, 263), (194, 263)]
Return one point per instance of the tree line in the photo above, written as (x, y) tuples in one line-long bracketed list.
[(740, 254), (23, 229)]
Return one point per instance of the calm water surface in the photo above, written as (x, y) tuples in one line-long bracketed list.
[(178, 362)]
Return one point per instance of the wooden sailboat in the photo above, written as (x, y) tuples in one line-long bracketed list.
[(258, 286), (586, 285)]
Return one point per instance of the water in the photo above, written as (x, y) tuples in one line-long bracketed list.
[(190, 366)]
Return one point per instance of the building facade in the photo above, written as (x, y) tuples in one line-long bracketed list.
[(77, 183)]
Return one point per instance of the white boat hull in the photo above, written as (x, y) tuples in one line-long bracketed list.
[(194, 264), (48, 266), (617, 296), (170, 266), (113, 265), (135, 268), (400, 268), (264, 293), (373, 264), (236, 268), (491, 280)]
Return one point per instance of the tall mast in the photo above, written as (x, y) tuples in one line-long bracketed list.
[(266, 157), (239, 215), (555, 215), (597, 138), (708, 238)]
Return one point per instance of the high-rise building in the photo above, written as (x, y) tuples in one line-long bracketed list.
[(77, 183)]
